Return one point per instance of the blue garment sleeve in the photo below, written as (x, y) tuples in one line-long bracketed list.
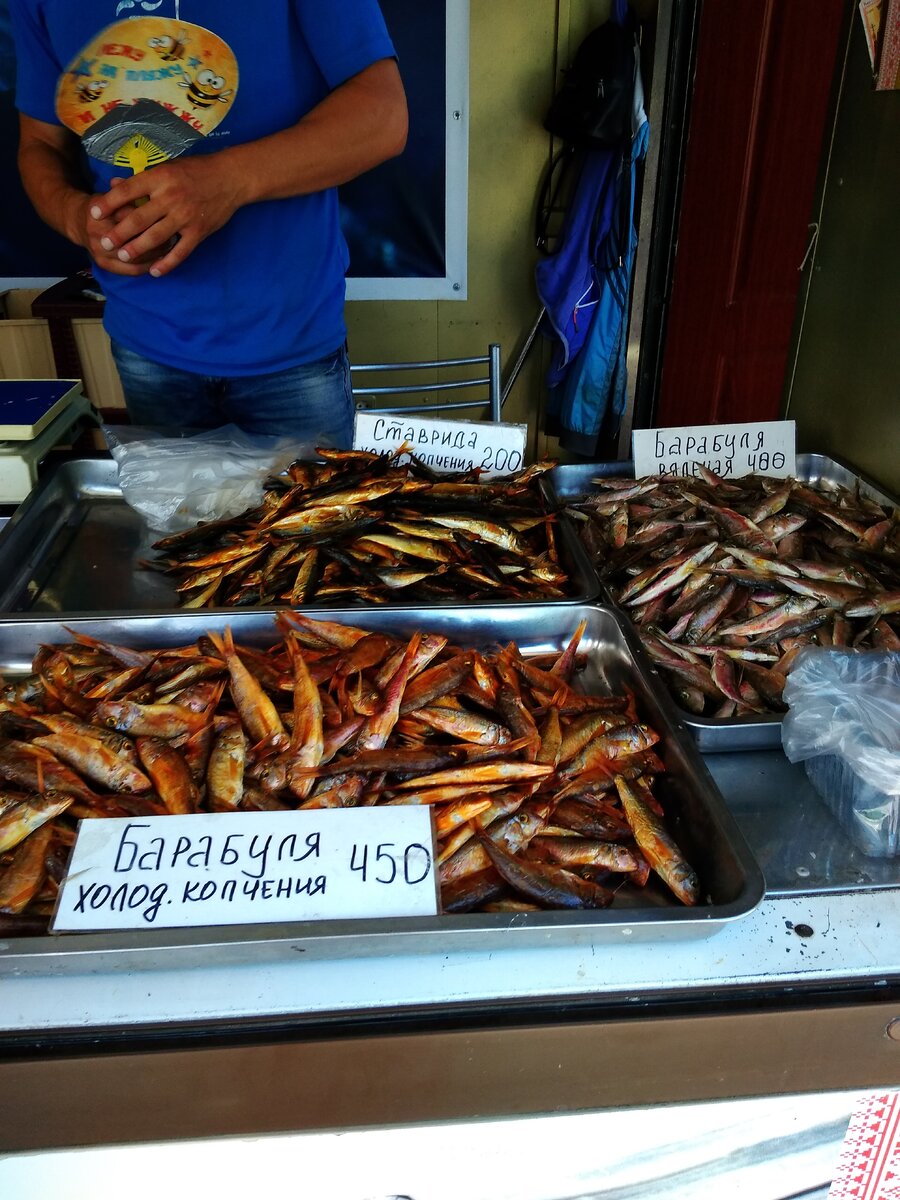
[(344, 38), (37, 71)]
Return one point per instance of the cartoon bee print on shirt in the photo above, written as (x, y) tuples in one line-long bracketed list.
[(206, 89), (91, 89), (169, 48), (187, 75)]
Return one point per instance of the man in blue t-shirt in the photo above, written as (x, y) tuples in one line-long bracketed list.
[(223, 269)]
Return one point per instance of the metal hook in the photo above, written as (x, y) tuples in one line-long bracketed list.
[(813, 238)]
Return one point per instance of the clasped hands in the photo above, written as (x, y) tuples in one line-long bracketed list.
[(151, 222)]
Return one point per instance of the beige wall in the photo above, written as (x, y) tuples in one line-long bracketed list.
[(512, 75), (845, 390)]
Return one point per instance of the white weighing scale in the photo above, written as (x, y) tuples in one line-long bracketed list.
[(36, 416)]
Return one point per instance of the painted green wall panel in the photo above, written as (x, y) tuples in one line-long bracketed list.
[(845, 392)]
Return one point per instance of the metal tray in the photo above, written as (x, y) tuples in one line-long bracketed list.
[(718, 734), (712, 841), (75, 546)]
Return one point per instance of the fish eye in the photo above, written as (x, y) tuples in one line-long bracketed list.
[(206, 77)]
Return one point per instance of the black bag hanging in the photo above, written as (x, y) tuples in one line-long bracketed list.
[(591, 111), (593, 106)]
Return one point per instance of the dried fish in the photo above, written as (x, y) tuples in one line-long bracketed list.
[(360, 529), (812, 560), (519, 767)]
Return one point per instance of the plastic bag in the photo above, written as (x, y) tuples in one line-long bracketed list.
[(844, 724), (174, 482)]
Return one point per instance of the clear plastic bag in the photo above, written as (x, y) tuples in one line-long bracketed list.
[(843, 723), (176, 481)]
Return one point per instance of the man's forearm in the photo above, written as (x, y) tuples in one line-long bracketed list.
[(53, 183), (51, 173), (355, 128)]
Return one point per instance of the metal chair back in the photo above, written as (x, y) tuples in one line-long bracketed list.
[(489, 385)]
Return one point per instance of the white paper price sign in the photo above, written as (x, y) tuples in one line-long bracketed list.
[(247, 868), (495, 449), (754, 448)]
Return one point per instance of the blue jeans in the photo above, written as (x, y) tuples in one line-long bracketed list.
[(311, 403)]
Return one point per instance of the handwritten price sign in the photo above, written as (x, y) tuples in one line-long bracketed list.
[(495, 449), (752, 448), (248, 868)]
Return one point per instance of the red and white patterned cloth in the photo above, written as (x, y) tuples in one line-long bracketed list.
[(869, 1164)]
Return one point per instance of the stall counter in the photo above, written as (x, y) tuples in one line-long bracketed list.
[(800, 994)]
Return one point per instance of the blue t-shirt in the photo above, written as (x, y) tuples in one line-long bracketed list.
[(265, 292)]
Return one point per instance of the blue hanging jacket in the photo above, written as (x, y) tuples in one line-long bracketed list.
[(584, 287)]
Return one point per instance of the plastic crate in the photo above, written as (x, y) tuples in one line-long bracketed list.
[(59, 305)]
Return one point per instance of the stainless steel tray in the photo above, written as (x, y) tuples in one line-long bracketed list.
[(75, 546), (730, 877), (572, 482)]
